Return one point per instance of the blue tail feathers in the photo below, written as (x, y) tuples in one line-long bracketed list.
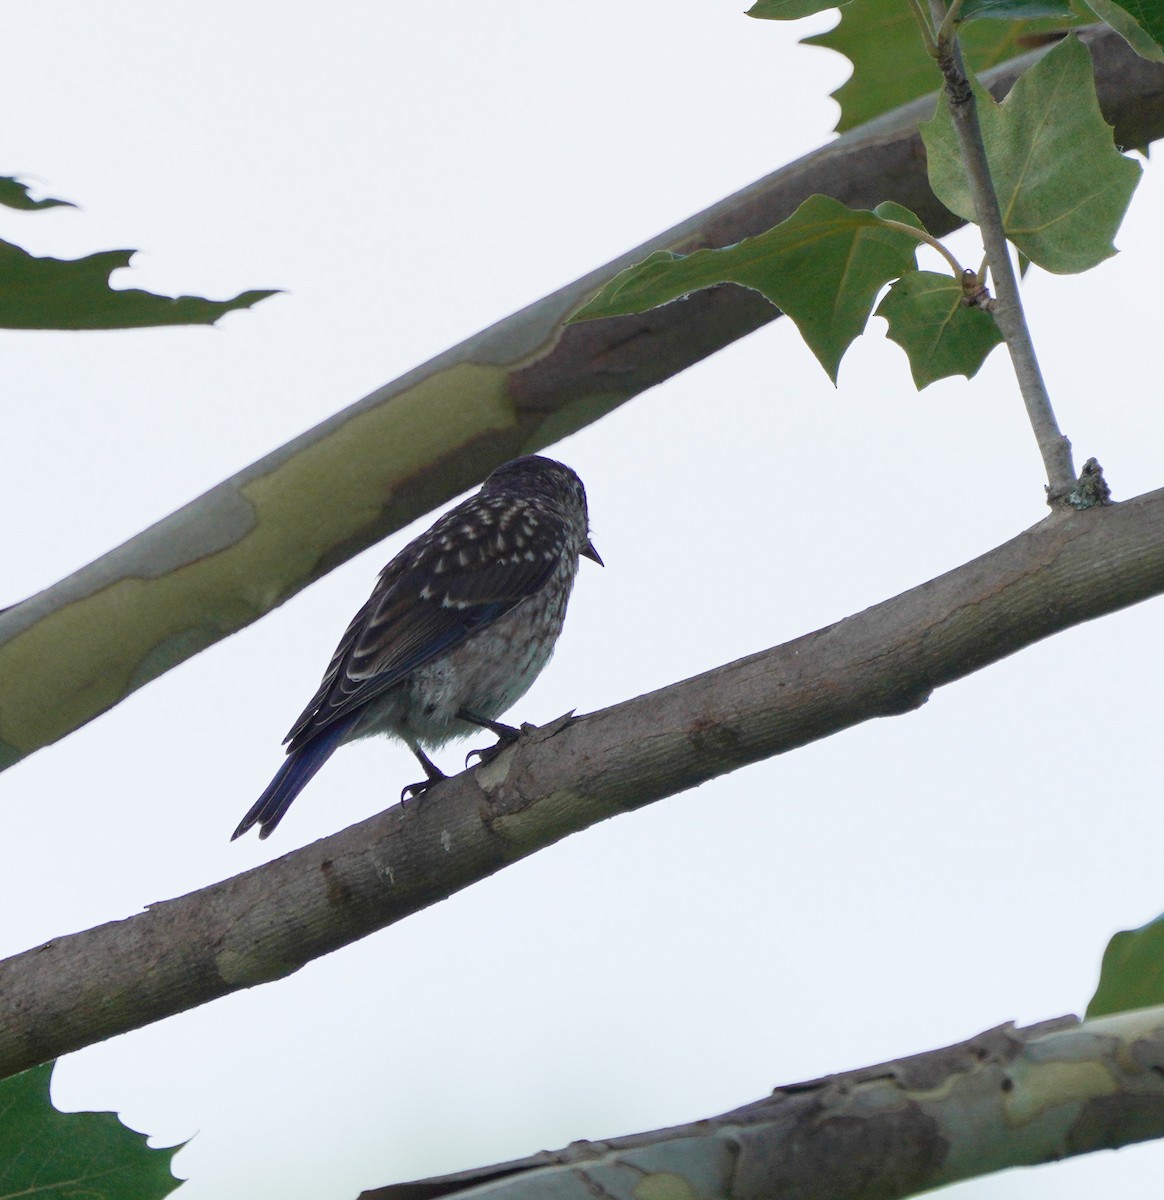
[(292, 777)]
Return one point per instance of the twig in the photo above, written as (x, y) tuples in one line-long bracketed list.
[(947, 30), (1008, 311)]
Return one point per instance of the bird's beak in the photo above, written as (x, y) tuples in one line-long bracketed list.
[(589, 552)]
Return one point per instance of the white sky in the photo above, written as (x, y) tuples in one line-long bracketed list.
[(409, 175)]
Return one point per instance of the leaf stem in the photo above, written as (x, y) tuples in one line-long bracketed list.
[(928, 238), (923, 25), (1008, 311)]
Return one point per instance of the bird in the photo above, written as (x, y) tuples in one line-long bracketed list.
[(459, 625)]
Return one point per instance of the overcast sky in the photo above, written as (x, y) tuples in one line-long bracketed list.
[(409, 175)]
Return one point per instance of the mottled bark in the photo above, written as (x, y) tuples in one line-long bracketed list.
[(1006, 1098)]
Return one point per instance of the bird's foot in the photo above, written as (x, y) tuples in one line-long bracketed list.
[(505, 737), (487, 753), (435, 775), (414, 791)]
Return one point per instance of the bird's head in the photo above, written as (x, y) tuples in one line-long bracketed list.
[(551, 481)]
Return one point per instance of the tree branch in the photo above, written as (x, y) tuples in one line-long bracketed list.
[(564, 777), (75, 650), (1006, 1098)]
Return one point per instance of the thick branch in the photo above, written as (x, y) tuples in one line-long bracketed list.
[(1006, 1098), (562, 778), (251, 543)]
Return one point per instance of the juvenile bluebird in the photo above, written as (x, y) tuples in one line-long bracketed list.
[(459, 625)]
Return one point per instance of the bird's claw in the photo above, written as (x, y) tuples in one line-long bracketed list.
[(414, 791), (485, 755)]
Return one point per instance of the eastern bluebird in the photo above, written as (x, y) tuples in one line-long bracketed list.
[(459, 625)]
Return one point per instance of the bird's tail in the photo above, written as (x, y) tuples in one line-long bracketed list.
[(291, 778)]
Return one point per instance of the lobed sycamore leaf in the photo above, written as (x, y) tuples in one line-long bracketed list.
[(1136, 35), (940, 334), (1132, 974), (1013, 10), (823, 267), (54, 293), (1147, 14), (789, 10), (890, 64), (14, 194), (1062, 186), (63, 1156)]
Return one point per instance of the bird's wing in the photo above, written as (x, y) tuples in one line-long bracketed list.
[(460, 576)]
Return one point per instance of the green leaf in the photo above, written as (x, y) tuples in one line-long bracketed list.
[(789, 10), (65, 1156), (941, 335), (1134, 34), (890, 65), (1062, 186), (1149, 15), (1013, 10), (14, 194), (1132, 975), (823, 267), (53, 293)]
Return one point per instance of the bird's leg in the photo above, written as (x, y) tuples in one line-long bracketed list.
[(506, 736), (506, 733), (434, 773)]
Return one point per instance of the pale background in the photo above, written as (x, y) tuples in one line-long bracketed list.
[(410, 174)]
